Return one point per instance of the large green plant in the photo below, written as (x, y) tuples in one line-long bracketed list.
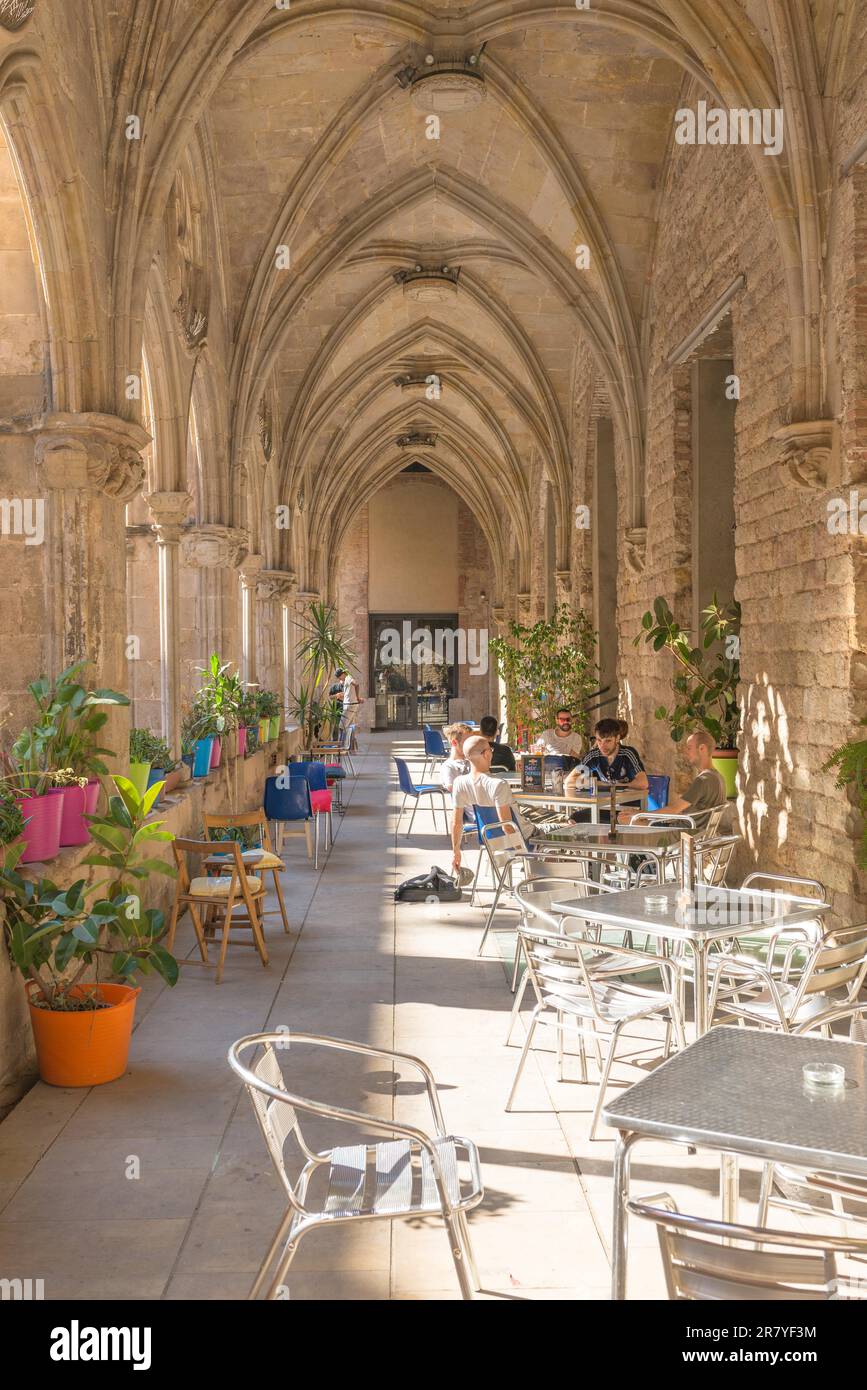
[(850, 761), (706, 684), (65, 735), (324, 648), (55, 934), (545, 666)]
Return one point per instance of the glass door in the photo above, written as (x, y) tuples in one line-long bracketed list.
[(412, 669)]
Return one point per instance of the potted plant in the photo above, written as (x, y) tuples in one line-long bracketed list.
[(270, 709), (27, 778), (198, 728), (163, 765), (706, 684), (323, 648), (66, 737), (82, 1028), (11, 819), (850, 761), (248, 717), (220, 695), (544, 666), (140, 750)]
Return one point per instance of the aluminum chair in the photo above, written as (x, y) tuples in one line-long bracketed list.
[(535, 898), (717, 1260), (570, 993), (750, 991), (664, 818), (409, 788), (713, 854), (412, 1174), (823, 1193), (506, 848)]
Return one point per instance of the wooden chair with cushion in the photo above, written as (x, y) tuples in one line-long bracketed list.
[(233, 899), (256, 823)]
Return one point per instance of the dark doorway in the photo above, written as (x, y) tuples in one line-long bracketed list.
[(413, 671)]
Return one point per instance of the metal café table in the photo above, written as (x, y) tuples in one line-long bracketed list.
[(741, 1091), (652, 842), (596, 801), (698, 918)]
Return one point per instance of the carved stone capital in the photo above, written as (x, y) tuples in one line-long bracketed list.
[(213, 546), (276, 584), (90, 450), (250, 570), (522, 602), (169, 511), (563, 585), (811, 453), (635, 548), (304, 598), (498, 613)]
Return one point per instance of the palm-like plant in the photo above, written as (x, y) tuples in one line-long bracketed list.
[(324, 648)]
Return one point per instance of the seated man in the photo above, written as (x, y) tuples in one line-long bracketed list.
[(610, 760), (479, 788), (456, 764), (503, 755), (562, 740), (706, 791)]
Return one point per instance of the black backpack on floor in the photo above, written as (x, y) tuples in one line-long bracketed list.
[(435, 886)]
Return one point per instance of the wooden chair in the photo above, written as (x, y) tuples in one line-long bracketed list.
[(213, 901), (267, 862)]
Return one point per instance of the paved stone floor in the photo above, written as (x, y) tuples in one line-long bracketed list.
[(196, 1222)]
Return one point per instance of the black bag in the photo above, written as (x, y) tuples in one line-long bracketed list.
[(433, 887)]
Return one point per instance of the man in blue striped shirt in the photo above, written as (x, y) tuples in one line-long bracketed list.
[(609, 760)]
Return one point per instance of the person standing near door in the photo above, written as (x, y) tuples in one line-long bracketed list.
[(351, 697)]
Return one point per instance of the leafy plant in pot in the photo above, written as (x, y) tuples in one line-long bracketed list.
[(220, 694), (270, 709), (544, 666), (706, 684), (248, 718), (65, 736), (55, 935)]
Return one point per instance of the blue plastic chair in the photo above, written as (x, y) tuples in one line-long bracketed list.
[(316, 777), (286, 805), (409, 788), (657, 791), (435, 749)]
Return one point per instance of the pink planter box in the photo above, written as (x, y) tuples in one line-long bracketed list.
[(41, 835)]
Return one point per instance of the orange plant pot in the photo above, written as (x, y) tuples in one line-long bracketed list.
[(88, 1048)]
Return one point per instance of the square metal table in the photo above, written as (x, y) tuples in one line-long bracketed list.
[(596, 801), (741, 1091), (698, 918)]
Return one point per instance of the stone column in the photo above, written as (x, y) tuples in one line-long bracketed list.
[(89, 465), (214, 549), (169, 511), (249, 573), (274, 594)]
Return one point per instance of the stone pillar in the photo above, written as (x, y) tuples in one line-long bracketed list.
[(272, 593), (169, 511), (215, 550), (249, 573), (89, 465)]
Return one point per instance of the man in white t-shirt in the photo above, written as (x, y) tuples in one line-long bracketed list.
[(562, 740), (479, 788), (455, 765)]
